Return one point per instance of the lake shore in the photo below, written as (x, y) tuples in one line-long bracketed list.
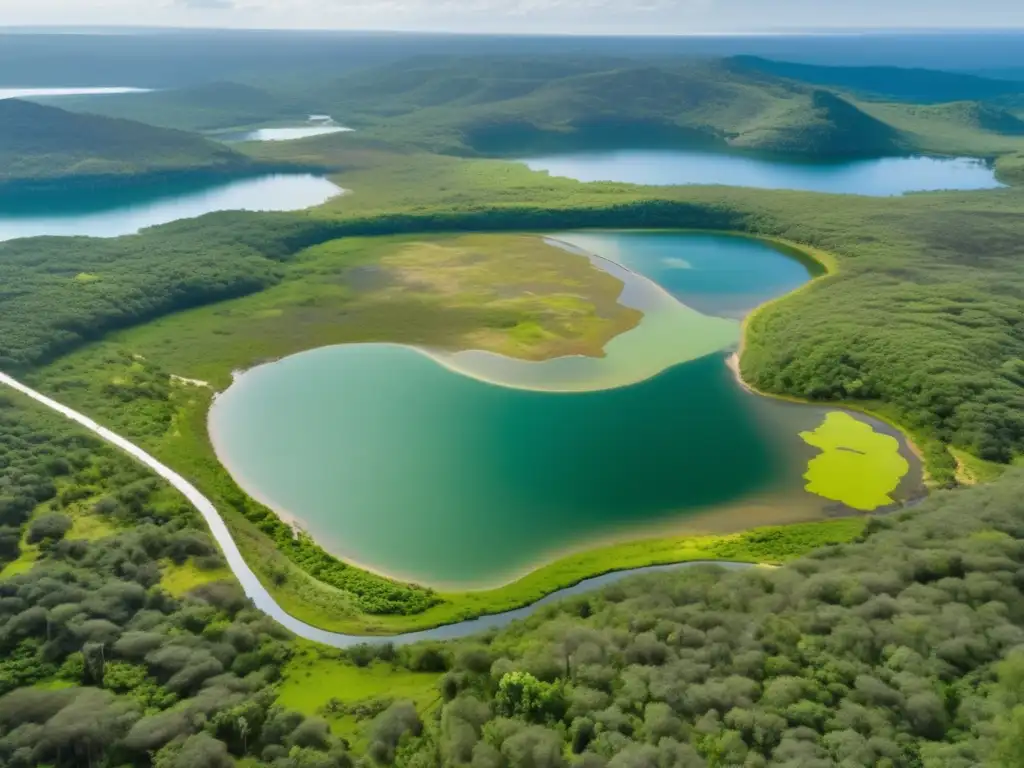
[(736, 516)]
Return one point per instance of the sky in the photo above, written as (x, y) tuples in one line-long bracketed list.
[(514, 16)]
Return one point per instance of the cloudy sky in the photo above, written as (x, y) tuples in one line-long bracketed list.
[(608, 16)]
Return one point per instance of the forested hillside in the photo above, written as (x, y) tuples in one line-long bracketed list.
[(40, 143), (923, 86), (205, 107), (497, 106), (61, 292), (830, 126)]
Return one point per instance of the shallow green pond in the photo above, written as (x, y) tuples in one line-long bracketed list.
[(429, 472)]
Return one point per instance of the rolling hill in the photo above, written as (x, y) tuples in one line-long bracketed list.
[(924, 86), (829, 126), (40, 144), (208, 107), (506, 106), (959, 127)]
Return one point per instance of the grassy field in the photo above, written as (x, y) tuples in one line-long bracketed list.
[(180, 579), (511, 294), (86, 525), (319, 683), (1010, 168)]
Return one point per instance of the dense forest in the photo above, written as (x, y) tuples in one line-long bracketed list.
[(102, 664), (898, 650), (902, 650), (61, 292), (888, 83)]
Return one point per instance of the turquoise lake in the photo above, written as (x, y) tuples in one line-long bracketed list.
[(882, 177), (114, 212), (410, 468)]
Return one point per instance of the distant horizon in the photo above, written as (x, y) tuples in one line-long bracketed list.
[(99, 29), (602, 18)]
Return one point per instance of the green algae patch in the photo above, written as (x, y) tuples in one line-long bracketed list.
[(857, 465)]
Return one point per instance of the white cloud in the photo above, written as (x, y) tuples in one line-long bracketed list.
[(659, 16), (205, 5)]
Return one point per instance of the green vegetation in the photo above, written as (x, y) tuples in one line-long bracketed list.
[(899, 650), (969, 127), (921, 86), (917, 324), (49, 309), (504, 105), (178, 579), (445, 292), (42, 144), (515, 295), (1010, 169), (214, 106), (857, 466), (349, 694), (102, 665), (513, 105), (61, 488), (895, 643), (769, 546), (345, 291), (894, 649)]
